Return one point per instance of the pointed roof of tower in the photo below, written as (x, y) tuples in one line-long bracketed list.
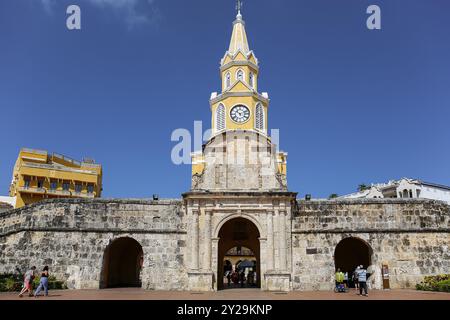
[(239, 43), (239, 37)]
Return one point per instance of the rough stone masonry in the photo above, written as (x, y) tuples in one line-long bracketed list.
[(71, 236)]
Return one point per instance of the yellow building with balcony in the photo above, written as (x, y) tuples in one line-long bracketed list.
[(39, 175)]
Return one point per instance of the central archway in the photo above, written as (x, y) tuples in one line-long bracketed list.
[(122, 264), (238, 233)]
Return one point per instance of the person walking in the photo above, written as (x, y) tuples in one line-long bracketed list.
[(235, 277), (43, 283), (355, 278), (242, 278), (346, 279), (28, 282), (362, 279), (229, 277)]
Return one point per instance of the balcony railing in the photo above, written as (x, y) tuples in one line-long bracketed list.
[(67, 159), (54, 192), (56, 167), (58, 192), (83, 195), (36, 151), (32, 190), (92, 165)]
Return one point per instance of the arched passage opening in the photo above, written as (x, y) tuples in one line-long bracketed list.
[(236, 234), (236, 260), (350, 253), (122, 264)]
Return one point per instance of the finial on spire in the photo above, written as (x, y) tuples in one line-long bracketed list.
[(239, 4)]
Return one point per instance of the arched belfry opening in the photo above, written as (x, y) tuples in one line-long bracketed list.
[(239, 236), (350, 253), (122, 264)]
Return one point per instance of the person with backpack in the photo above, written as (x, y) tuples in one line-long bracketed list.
[(28, 282), (43, 283)]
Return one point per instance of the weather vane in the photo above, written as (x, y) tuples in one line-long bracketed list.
[(239, 4)]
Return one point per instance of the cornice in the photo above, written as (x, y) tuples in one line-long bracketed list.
[(234, 55), (239, 63), (225, 95)]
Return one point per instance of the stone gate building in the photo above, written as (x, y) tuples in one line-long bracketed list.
[(239, 197)]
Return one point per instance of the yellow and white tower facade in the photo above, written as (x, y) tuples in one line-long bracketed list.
[(239, 106), (240, 154)]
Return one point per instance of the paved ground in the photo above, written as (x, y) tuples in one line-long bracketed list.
[(230, 294)]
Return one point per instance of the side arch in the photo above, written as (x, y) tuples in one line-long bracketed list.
[(351, 252), (122, 263)]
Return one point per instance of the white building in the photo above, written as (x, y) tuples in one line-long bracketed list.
[(403, 188)]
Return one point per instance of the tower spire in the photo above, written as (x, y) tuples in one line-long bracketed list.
[(239, 36)]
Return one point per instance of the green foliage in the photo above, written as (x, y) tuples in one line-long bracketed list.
[(435, 283), (333, 196), (9, 284), (36, 282), (444, 286), (363, 187)]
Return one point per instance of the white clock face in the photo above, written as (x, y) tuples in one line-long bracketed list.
[(240, 113)]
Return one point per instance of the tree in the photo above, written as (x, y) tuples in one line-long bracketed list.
[(363, 187), (333, 195)]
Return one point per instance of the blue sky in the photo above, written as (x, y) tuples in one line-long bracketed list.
[(352, 105)]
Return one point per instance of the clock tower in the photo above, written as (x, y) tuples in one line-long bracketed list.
[(239, 196), (239, 154), (239, 106)]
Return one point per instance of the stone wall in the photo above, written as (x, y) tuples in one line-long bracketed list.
[(410, 236), (71, 235), (241, 160)]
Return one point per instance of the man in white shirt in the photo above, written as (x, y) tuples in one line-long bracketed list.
[(362, 279)]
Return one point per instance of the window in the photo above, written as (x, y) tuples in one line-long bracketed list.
[(26, 183), (78, 187), (66, 186), (220, 118), (405, 193), (259, 117), (250, 78), (240, 75), (40, 184), (53, 185), (227, 80), (90, 188)]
